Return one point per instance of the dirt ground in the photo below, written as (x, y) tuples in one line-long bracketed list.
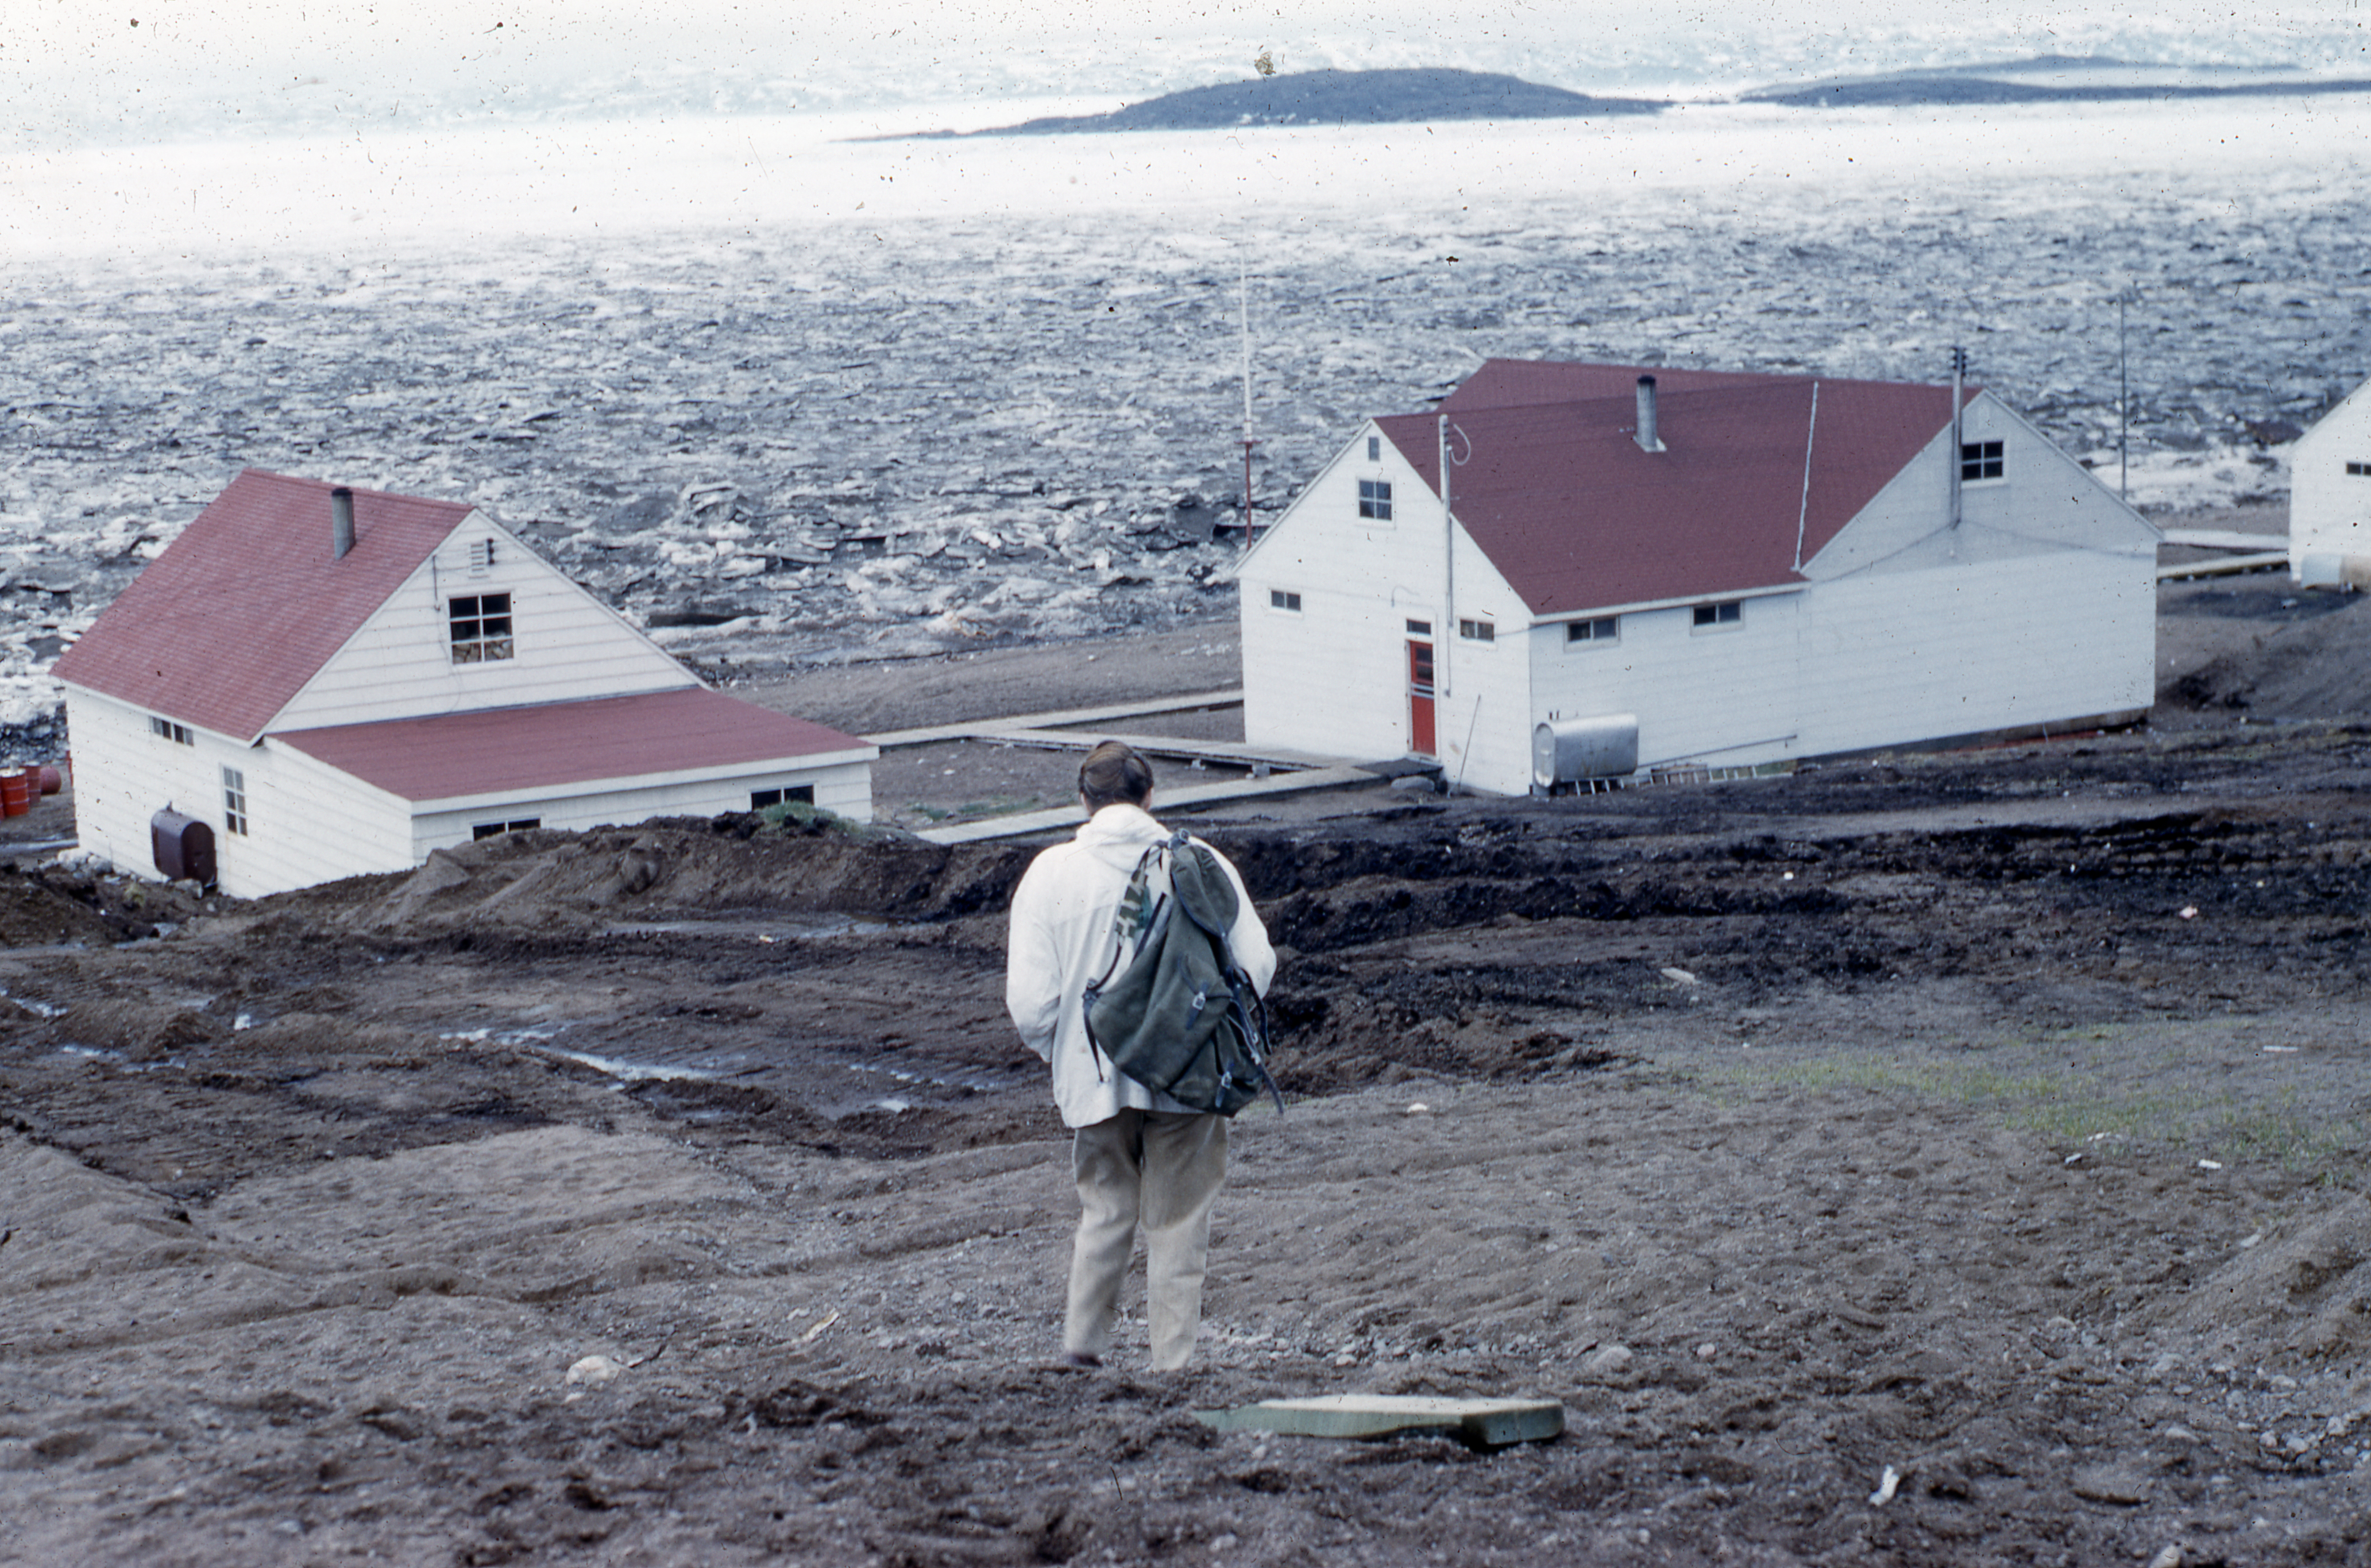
[(1919, 1160)]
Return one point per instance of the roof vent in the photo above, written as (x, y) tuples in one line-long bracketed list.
[(341, 521), (1647, 440)]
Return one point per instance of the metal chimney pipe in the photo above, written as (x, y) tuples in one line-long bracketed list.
[(1646, 437), (341, 521)]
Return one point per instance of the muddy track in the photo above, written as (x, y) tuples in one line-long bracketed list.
[(1987, 1118)]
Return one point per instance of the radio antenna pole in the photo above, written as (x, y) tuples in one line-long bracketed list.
[(1246, 310)]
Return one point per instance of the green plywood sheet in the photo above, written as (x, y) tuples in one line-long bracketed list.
[(1478, 1423)]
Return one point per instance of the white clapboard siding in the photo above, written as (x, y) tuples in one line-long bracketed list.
[(1482, 740), (1333, 677), (1899, 657), (2329, 509), (308, 823), (843, 789), (400, 665), (123, 775), (1722, 695)]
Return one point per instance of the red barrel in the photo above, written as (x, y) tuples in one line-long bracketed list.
[(16, 787), (51, 779)]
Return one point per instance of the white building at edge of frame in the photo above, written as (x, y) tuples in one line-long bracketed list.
[(331, 683), (2330, 497), (1748, 568)]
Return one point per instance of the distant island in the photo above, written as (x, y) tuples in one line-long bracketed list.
[(1335, 98), (2052, 78), (1440, 95)]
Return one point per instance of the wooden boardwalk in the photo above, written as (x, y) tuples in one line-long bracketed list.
[(1275, 770)]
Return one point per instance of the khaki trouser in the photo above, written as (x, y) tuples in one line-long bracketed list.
[(1162, 1171)]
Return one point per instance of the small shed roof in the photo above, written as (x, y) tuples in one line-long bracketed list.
[(568, 745), (1577, 516), (226, 627)]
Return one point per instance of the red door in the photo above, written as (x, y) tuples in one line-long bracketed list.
[(1420, 698)]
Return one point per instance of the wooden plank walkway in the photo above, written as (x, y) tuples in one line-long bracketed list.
[(2227, 565), (1024, 823), (984, 729), (2221, 538)]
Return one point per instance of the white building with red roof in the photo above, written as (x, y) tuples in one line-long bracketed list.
[(313, 683), (1738, 570)]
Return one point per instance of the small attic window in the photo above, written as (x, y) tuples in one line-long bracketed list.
[(178, 734), (1980, 460), (481, 628), (1375, 500), (1374, 449), (481, 557), (1602, 629), (1728, 613)]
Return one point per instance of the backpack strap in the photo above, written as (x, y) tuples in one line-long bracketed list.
[(1139, 884)]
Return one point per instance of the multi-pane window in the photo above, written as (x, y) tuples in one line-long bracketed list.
[(1375, 500), (1477, 631), (179, 733), (1419, 629), (1980, 460), (481, 627), (1605, 628), (234, 800), (761, 799), (496, 829), (1728, 613), (1283, 599), (2360, 470)]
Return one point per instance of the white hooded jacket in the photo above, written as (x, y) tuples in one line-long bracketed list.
[(1060, 940)]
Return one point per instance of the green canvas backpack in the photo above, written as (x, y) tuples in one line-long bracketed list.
[(1172, 1009)]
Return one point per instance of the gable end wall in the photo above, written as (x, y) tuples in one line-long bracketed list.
[(569, 645)]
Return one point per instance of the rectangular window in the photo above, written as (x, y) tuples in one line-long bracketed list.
[(1477, 631), (1605, 628), (481, 628), (1419, 629), (2360, 470), (496, 829), (761, 799), (235, 800), (1375, 500), (1279, 599), (1980, 460), (1726, 613), (178, 734), (1374, 448)]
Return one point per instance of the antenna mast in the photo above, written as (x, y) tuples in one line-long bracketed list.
[(1247, 309), (1959, 376), (2123, 401)]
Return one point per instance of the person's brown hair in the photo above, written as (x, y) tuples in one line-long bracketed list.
[(1112, 773)]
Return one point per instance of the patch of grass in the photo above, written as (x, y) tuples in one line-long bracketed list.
[(2071, 1111), (789, 816)]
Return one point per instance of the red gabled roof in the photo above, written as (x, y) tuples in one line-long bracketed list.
[(1577, 516), (226, 626), (559, 744), (1503, 383)]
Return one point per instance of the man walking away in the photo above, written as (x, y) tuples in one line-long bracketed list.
[(1142, 1158)]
